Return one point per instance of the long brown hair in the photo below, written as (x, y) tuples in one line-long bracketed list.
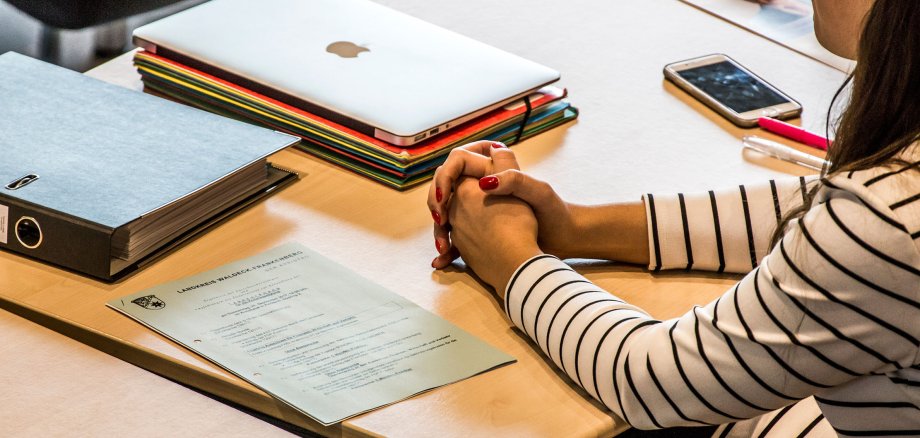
[(882, 117)]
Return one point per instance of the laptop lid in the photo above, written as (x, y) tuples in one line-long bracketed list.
[(368, 67)]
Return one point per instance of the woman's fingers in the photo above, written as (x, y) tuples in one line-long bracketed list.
[(460, 162), (471, 160), (444, 260), (520, 185), (502, 159), (483, 147)]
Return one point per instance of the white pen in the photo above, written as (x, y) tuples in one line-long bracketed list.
[(782, 152)]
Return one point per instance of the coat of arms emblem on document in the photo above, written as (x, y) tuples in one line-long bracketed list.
[(150, 302)]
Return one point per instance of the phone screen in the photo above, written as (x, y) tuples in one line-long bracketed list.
[(731, 86)]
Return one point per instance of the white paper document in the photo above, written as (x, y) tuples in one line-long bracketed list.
[(787, 22), (312, 333)]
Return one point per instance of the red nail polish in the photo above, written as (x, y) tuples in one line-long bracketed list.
[(437, 194), (437, 245), (498, 145), (432, 262), (488, 183), (436, 216)]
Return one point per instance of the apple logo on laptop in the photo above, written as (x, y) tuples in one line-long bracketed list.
[(346, 49)]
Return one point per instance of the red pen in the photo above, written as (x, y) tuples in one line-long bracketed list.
[(793, 132)]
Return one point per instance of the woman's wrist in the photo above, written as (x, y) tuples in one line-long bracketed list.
[(512, 258)]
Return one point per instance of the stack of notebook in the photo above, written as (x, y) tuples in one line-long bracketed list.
[(275, 75)]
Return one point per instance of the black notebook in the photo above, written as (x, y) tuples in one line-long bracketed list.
[(101, 179)]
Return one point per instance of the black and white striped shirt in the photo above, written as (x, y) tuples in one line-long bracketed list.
[(832, 311)]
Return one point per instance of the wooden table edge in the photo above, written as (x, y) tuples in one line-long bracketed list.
[(157, 363)]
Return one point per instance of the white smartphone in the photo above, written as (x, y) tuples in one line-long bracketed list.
[(731, 90)]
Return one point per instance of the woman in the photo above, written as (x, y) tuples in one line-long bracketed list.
[(821, 335)]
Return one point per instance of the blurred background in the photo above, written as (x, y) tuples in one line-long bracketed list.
[(77, 34)]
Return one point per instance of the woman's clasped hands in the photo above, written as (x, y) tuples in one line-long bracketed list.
[(493, 215)]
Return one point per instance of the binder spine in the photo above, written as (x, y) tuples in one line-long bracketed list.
[(56, 238)]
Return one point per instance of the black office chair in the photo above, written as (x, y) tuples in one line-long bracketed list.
[(109, 15)]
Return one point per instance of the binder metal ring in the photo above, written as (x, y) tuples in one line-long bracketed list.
[(19, 234)]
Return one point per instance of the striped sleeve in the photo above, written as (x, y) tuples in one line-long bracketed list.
[(803, 419), (836, 300), (725, 230)]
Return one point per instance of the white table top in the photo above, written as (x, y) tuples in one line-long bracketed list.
[(636, 133)]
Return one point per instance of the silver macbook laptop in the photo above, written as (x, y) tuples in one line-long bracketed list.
[(357, 63)]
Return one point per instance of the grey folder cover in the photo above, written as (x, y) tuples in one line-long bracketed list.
[(106, 156)]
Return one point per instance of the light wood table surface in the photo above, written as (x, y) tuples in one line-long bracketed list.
[(55, 386), (636, 134)]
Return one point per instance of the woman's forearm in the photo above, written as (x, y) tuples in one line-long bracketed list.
[(616, 232)]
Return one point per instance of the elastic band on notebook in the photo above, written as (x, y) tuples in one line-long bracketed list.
[(520, 132)]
